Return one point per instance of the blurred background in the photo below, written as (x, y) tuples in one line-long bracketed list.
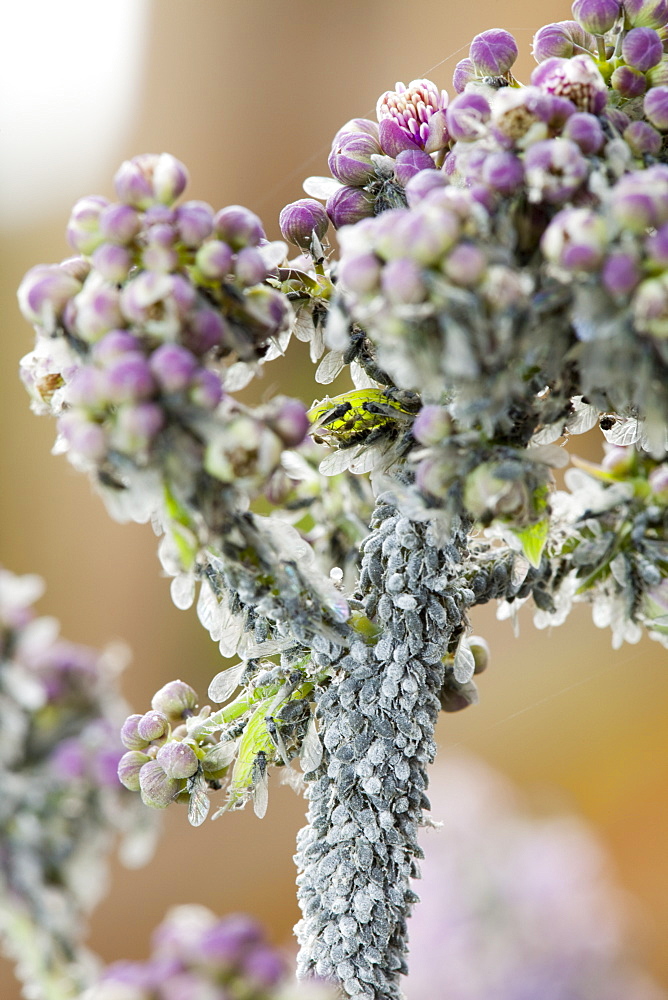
[(248, 93)]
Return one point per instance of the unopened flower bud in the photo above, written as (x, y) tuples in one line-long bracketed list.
[(642, 139), (364, 125), (300, 219), (264, 967), (120, 223), (214, 259), (44, 293), (287, 418), (130, 737), (559, 39), (596, 16), (112, 261), (149, 178), (350, 159), (136, 426), (650, 307), (175, 699), (493, 52), (628, 82), (83, 228), (585, 130), (578, 79), (658, 479), (555, 169), (360, 273), (348, 205), (655, 107), (467, 115), (128, 768), (463, 73), (410, 162), (269, 307), (503, 171), (646, 13), (250, 268), (465, 264), (575, 239), (157, 789), (129, 379), (420, 185), (239, 227), (656, 247), (178, 760), (402, 281), (173, 366), (206, 390), (642, 48), (432, 425), (620, 274), (152, 725), (194, 222), (84, 437)]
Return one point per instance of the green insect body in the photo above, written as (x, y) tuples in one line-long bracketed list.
[(349, 419)]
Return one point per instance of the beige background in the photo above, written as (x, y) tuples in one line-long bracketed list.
[(249, 94)]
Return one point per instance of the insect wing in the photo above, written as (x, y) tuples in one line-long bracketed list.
[(199, 804), (220, 756), (225, 683), (320, 187), (330, 366), (260, 790), (366, 460), (338, 461), (277, 739), (310, 757)]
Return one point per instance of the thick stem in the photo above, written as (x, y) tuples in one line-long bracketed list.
[(358, 853)]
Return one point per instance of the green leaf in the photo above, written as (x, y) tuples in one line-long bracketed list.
[(533, 540)]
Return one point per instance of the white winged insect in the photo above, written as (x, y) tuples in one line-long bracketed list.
[(260, 784), (226, 682), (199, 802), (310, 756)]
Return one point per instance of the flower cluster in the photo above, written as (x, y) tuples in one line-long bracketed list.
[(197, 955), (61, 802)]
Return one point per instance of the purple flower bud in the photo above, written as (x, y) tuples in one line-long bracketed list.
[(158, 301), (84, 437), (238, 226), (639, 200), (129, 379), (176, 700), (44, 292), (628, 82), (426, 232), (596, 16), (178, 760), (655, 107), (359, 273), (575, 239), (136, 426), (657, 76), (620, 274), (152, 726), (464, 73), (130, 737), (656, 247), (465, 264), (157, 789), (348, 205), (97, 308), (120, 224), (287, 418), (88, 388), (249, 267), (410, 162), (194, 222), (402, 281), (493, 52), (642, 48), (364, 125), (432, 425), (214, 259), (422, 183), (650, 307), (643, 139), (412, 116), (658, 479), (617, 119), (578, 79), (555, 169), (300, 219), (112, 261), (467, 115), (269, 307), (263, 966), (149, 178), (223, 945), (129, 767), (559, 39), (585, 130), (503, 172), (113, 345), (206, 390), (350, 159), (83, 228), (646, 13), (173, 366)]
